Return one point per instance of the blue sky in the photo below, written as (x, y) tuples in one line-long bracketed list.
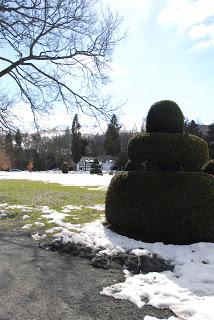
[(168, 54)]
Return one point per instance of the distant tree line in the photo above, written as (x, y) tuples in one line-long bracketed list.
[(46, 152)]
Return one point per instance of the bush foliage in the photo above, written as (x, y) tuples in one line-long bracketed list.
[(164, 149), (172, 207), (165, 116), (164, 196), (64, 167), (209, 167), (95, 167)]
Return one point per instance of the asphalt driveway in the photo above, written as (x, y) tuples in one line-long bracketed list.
[(37, 284)]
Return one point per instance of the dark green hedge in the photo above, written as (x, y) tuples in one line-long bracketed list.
[(171, 207), (95, 170), (64, 167), (189, 151), (165, 116)]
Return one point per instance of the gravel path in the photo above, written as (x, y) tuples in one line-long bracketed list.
[(37, 284)]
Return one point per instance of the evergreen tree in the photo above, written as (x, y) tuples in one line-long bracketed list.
[(78, 143), (8, 145), (95, 146), (18, 152), (67, 139), (112, 139), (210, 139), (37, 162), (18, 139)]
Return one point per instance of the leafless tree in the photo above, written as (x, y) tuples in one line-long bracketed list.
[(6, 115), (57, 50)]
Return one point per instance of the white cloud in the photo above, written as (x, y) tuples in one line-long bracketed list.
[(201, 31), (190, 17), (130, 5), (184, 14), (131, 10), (203, 44)]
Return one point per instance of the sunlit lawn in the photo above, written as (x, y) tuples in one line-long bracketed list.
[(32, 195)]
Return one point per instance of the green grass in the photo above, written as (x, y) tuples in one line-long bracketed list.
[(84, 216), (35, 194)]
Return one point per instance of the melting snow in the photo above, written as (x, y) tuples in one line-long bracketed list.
[(27, 226), (3, 214), (188, 291), (25, 217), (37, 237), (40, 224)]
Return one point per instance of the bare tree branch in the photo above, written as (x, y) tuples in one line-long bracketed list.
[(59, 51)]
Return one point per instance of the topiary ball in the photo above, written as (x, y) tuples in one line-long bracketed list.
[(209, 167), (165, 116)]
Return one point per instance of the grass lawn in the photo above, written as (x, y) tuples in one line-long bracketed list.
[(19, 198)]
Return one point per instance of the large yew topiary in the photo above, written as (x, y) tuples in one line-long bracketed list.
[(189, 151), (171, 207), (151, 201), (165, 116)]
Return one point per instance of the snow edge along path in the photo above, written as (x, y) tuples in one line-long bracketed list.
[(188, 291)]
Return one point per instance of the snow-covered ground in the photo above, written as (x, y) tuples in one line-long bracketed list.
[(188, 290), (69, 179)]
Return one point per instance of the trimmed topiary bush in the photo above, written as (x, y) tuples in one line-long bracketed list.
[(95, 167), (164, 150), (164, 196), (171, 207), (209, 167), (64, 167), (96, 161), (133, 165), (95, 171), (165, 116)]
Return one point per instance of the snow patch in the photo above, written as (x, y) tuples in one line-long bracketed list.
[(37, 237), (25, 217), (98, 207), (40, 224), (188, 291), (141, 252), (69, 208), (3, 215), (27, 226), (57, 218)]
